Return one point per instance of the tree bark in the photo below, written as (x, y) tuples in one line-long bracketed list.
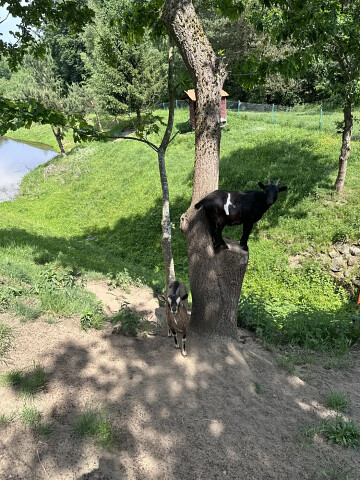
[(345, 147), (138, 116), (99, 122), (165, 220), (58, 135), (215, 278)]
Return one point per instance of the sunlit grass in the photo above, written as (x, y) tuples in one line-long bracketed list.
[(98, 212)]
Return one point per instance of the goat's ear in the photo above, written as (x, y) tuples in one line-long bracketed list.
[(184, 297), (282, 189), (261, 185), (162, 298)]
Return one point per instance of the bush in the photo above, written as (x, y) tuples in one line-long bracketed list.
[(342, 432)]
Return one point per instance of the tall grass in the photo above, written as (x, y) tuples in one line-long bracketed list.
[(99, 211)]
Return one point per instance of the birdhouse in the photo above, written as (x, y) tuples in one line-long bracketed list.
[(190, 94)]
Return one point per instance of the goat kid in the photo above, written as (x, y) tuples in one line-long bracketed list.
[(178, 318), (235, 208)]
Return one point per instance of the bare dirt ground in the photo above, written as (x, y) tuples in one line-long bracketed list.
[(227, 411)]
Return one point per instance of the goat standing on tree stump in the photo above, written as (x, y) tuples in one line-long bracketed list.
[(235, 208), (178, 318)]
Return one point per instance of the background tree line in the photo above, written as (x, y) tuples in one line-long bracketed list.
[(97, 70)]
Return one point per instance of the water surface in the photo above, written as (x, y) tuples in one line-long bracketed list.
[(16, 159)]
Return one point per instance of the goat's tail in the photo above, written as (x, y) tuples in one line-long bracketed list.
[(199, 204)]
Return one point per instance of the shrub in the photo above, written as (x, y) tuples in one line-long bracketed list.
[(342, 432), (92, 319), (129, 322)]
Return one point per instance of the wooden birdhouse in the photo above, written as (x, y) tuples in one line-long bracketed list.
[(190, 95)]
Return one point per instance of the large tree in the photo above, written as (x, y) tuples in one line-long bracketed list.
[(33, 16), (215, 278), (128, 77), (329, 32)]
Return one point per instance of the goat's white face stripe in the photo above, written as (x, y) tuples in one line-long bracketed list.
[(227, 204)]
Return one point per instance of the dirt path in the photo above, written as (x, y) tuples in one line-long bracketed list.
[(227, 411)]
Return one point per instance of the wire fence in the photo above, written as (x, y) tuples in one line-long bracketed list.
[(311, 117), (236, 105)]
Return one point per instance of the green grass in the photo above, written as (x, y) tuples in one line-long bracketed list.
[(25, 383), (342, 432), (31, 418), (129, 323), (336, 430), (98, 212), (334, 472), (6, 336), (338, 401), (6, 420), (97, 424), (33, 287)]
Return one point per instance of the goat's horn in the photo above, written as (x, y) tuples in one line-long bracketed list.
[(277, 182), (269, 181)]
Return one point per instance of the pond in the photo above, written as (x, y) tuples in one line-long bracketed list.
[(16, 159)]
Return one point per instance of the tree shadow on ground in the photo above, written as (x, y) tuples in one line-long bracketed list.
[(105, 251), (176, 418)]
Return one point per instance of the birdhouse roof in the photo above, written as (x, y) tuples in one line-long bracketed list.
[(192, 96)]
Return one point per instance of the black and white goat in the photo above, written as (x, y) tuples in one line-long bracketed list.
[(178, 318), (235, 208)]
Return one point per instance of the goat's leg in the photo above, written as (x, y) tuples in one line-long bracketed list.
[(217, 226), (247, 227), (214, 229), (169, 332), (183, 346), (221, 245), (175, 338)]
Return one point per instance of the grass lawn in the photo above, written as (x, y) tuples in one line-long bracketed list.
[(110, 193)]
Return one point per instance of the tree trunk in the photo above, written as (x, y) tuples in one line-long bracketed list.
[(59, 137), (166, 221), (99, 122), (215, 278), (138, 116), (345, 147)]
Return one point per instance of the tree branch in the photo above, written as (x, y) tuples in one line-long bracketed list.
[(7, 16), (115, 137)]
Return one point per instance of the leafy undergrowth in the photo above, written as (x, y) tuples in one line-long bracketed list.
[(31, 290), (98, 212)]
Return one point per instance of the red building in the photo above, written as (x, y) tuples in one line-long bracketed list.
[(190, 94)]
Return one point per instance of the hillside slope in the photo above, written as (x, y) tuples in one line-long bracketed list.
[(99, 210)]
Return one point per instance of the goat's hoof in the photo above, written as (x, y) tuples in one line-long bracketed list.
[(184, 354), (244, 247), (177, 347), (220, 247)]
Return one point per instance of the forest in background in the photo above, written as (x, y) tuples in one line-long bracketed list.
[(99, 72)]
